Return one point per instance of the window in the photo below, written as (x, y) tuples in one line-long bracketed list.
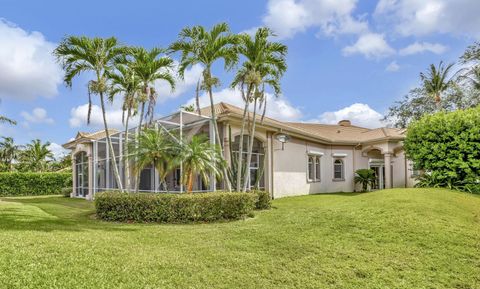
[(317, 169), (313, 168), (338, 170)]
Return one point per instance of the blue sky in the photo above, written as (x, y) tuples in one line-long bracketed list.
[(347, 58)]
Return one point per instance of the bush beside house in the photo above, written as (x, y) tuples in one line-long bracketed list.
[(174, 208), (34, 184), (446, 146)]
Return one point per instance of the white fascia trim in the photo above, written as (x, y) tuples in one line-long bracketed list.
[(339, 155), (315, 153)]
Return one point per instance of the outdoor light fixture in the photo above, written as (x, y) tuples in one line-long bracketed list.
[(283, 138)]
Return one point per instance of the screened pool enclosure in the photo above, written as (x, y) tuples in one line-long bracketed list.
[(96, 173)]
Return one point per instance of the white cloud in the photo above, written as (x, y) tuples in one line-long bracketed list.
[(78, 116), (413, 17), (278, 108), (27, 66), (392, 66), (288, 17), (57, 150), (420, 47), (371, 45), (38, 115), (358, 113), (191, 78)]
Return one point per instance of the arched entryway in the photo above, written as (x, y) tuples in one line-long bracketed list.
[(257, 166), (81, 174)]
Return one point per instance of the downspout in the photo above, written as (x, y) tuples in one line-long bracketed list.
[(406, 169), (272, 173)]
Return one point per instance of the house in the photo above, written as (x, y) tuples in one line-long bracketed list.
[(289, 158)]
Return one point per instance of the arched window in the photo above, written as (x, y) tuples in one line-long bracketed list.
[(317, 169), (338, 170), (311, 169)]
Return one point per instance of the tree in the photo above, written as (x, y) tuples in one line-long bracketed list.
[(153, 146), (446, 144), (4, 119), (436, 80), (9, 152), (264, 64), (97, 55), (149, 68), (365, 177), (199, 156), (125, 82), (418, 103), (36, 156), (199, 46)]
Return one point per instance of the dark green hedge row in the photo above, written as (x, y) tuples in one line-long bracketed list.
[(174, 208), (33, 184)]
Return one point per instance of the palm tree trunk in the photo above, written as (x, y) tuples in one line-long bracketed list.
[(250, 147), (197, 98), (137, 175), (438, 102), (217, 136), (126, 158), (240, 146), (110, 145), (190, 182)]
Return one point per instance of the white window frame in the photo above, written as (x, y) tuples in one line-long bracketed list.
[(316, 157), (342, 171)]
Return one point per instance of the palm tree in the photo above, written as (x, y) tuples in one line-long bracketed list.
[(199, 156), (36, 156), (149, 67), (9, 152), (264, 64), (436, 81), (199, 46), (97, 55), (472, 77), (4, 119), (125, 82), (153, 146), (366, 177)]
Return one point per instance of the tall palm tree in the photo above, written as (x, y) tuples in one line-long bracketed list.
[(436, 81), (97, 55), (199, 46), (150, 67), (152, 146), (9, 152), (264, 64), (36, 156), (199, 156), (125, 82)]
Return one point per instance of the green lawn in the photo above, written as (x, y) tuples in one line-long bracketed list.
[(401, 238)]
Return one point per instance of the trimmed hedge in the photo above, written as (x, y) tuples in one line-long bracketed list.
[(263, 200), (33, 184), (173, 208)]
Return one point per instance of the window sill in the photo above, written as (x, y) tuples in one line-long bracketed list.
[(313, 181), (338, 180)]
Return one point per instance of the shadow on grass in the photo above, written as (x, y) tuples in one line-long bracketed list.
[(52, 214)]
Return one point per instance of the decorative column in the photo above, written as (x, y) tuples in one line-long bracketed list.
[(388, 170)]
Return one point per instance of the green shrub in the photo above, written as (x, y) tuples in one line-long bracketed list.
[(447, 147), (66, 192), (33, 184), (173, 208), (262, 200)]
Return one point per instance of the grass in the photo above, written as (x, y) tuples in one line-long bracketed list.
[(400, 238)]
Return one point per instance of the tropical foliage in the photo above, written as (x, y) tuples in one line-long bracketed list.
[(446, 146), (98, 56), (199, 157), (365, 177)]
